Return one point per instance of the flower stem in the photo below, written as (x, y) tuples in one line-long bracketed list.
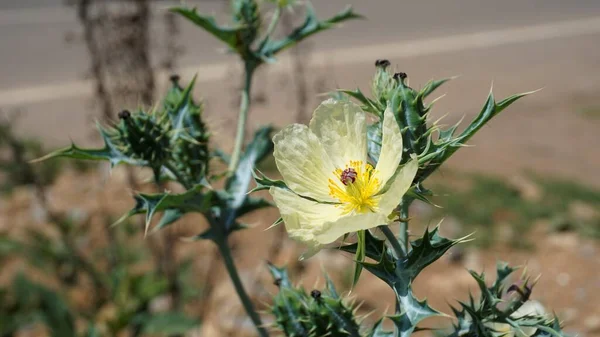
[(239, 287), (403, 236), (243, 116), (393, 240), (273, 24)]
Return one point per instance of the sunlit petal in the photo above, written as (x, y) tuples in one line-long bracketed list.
[(341, 127), (398, 187), (303, 163), (331, 231), (391, 147)]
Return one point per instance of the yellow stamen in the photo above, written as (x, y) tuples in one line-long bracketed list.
[(358, 196)]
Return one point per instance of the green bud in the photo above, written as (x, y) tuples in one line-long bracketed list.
[(247, 13), (143, 136), (383, 84), (320, 313)]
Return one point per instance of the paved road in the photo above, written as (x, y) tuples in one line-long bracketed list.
[(35, 52), (520, 45)]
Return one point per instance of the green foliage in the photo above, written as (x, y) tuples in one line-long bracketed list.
[(15, 153), (167, 324), (29, 302), (172, 140), (495, 308), (411, 112), (190, 136), (320, 313), (399, 273), (247, 24)]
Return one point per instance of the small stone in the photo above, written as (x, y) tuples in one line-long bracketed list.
[(161, 304), (527, 189), (567, 241), (581, 294), (592, 323), (583, 211), (563, 279), (588, 251)]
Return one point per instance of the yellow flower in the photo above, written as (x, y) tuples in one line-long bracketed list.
[(333, 189)]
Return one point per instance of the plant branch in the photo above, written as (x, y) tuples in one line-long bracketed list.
[(403, 236), (273, 23), (393, 240), (243, 116), (239, 287)]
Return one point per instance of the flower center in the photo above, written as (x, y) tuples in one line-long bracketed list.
[(348, 176), (357, 194)]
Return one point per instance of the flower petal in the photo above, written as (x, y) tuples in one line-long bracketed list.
[(391, 147), (398, 187), (303, 217), (331, 231), (303, 162), (342, 129)]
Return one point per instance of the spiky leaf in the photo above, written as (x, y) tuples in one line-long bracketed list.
[(311, 26), (229, 35), (235, 200), (194, 200)]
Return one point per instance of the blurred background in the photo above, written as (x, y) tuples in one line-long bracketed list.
[(529, 187)]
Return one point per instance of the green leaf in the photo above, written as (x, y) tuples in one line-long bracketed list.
[(109, 152), (52, 308), (400, 273), (359, 256), (368, 104), (264, 183), (447, 146), (310, 26), (168, 323), (236, 202), (378, 331), (413, 311), (229, 35), (432, 85), (9, 247), (193, 200), (169, 217)]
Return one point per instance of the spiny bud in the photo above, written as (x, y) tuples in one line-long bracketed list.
[(400, 76), (383, 85), (174, 79), (382, 64), (143, 136), (125, 114)]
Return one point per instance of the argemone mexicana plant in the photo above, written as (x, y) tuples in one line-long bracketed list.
[(342, 176), (333, 189)]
